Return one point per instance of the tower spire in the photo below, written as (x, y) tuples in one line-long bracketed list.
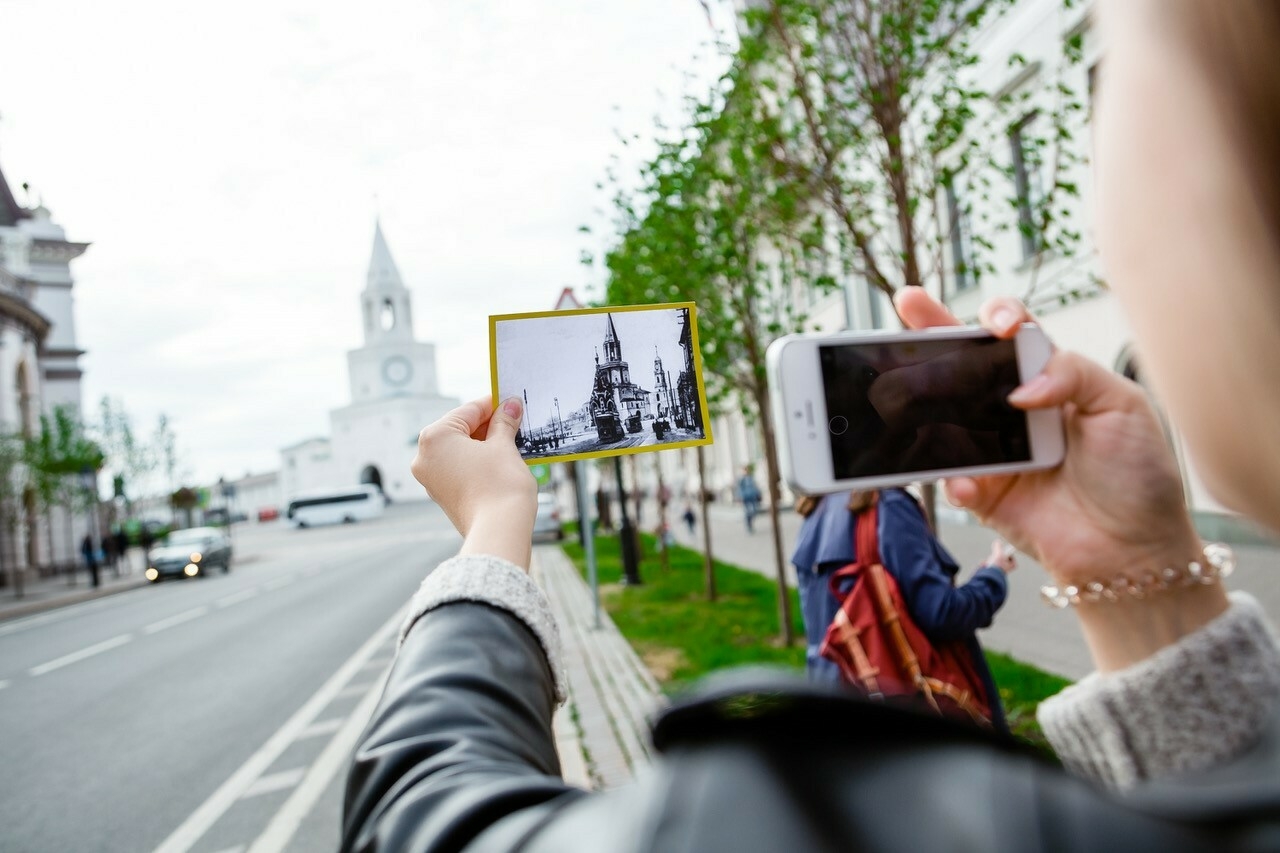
[(383, 273)]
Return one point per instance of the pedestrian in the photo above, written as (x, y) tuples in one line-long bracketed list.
[(925, 573), (109, 553), (122, 548), (1182, 716), (690, 520), (90, 559), (749, 494)]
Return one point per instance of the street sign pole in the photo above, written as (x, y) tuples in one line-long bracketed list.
[(589, 540)]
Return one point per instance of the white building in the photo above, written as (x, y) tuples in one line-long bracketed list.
[(394, 394), (39, 368)]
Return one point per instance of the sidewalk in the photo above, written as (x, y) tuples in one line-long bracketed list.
[(40, 594), (602, 730), (1024, 628)]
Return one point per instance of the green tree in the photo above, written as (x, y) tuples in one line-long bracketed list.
[(721, 220), (128, 458), (55, 459)]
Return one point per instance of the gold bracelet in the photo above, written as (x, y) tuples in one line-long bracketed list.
[(1218, 563)]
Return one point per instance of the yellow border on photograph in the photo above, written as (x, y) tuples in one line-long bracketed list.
[(494, 319)]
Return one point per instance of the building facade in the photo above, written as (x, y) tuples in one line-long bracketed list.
[(394, 394), (39, 372)]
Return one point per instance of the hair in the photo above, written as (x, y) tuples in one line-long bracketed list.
[(858, 501), (1235, 42)]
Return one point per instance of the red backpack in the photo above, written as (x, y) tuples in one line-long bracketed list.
[(882, 652)]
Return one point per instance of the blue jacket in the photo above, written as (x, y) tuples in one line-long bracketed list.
[(924, 570)]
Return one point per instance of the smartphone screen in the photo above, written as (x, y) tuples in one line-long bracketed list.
[(901, 407)]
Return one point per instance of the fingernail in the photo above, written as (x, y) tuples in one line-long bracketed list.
[(512, 407), (1031, 390), (1004, 319)]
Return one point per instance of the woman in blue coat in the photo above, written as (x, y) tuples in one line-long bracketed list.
[(924, 570)]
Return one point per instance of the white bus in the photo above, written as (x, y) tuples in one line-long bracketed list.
[(336, 506)]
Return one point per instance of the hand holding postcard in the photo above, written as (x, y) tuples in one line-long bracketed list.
[(602, 381)]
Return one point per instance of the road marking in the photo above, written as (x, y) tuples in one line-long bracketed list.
[(337, 753), (324, 727), (88, 652), (4, 684), (199, 821), (355, 690), (237, 597), (277, 583), (239, 848), (176, 619), (274, 782), (377, 663)]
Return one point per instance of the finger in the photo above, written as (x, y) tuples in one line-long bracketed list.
[(919, 310), (1003, 315), (468, 417), (1070, 378), (505, 422)]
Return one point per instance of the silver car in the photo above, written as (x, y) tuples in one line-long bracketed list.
[(547, 522), (188, 553)]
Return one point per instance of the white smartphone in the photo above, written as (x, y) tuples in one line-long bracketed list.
[(878, 409)]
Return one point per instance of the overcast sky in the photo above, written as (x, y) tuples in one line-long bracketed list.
[(224, 159)]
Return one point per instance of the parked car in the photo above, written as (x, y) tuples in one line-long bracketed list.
[(547, 522), (189, 553), (268, 513)]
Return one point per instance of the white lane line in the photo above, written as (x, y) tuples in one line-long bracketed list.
[(324, 727), (336, 755), (197, 824), (237, 597), (4, 684), (277, 583), (239, 848), (377, 663), (176, 619), (88, 652), (354, 690), (274, 782)]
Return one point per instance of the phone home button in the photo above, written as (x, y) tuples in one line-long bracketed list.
[(839, 425)]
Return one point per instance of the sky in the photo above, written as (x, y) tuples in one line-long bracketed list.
[(227, 162)]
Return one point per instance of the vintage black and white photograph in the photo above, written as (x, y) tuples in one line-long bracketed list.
[(602, 382)]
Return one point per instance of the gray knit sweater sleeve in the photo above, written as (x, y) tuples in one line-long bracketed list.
[(500, 584), (1198, 703)]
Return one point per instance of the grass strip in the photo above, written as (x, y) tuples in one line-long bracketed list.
[(681, 636)]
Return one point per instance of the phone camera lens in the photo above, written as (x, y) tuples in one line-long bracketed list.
[(839, 425)]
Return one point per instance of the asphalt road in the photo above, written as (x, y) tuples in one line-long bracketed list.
[(208, 714)]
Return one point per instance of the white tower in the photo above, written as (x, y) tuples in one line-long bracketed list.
[(391, 363), (393, 388)]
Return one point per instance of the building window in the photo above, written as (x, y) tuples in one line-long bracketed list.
[(1026, 181), (959, 237)]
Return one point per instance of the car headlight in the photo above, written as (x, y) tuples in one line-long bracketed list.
[(152, 574), (191, 569), (195, 558)]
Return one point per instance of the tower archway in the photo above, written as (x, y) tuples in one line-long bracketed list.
[(371, 476)]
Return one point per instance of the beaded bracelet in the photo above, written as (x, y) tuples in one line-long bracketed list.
[(1219, 562)]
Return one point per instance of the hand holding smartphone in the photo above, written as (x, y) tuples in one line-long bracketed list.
[(873, 410)]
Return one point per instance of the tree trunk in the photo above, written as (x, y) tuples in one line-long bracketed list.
[(663, 532), (929, 500), (775, 497), (703, 492)]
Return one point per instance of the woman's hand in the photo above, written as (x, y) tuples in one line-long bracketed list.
[(1114, 507), (1001, 557), (469, 465)]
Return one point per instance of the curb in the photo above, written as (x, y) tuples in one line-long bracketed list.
[(26, 609)]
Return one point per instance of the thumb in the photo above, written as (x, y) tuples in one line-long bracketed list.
[(505, 422)]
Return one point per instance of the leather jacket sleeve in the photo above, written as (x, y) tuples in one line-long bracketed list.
[(460, 739)]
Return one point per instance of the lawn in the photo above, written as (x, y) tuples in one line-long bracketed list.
[(681, 636)]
